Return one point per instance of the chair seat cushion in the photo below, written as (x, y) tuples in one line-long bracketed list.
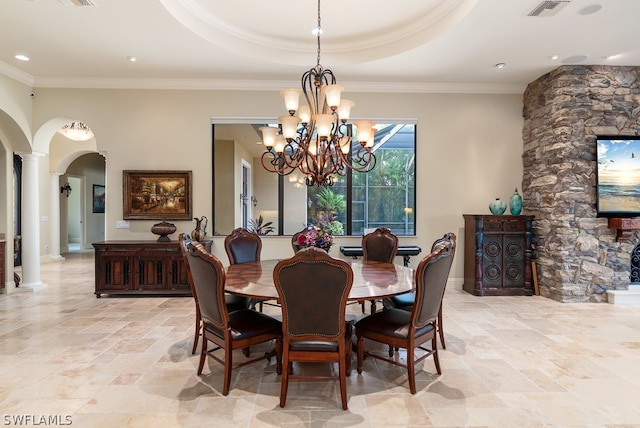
[(392, 322), (321, 346), (245, 323), (314, 346), (403, 301)]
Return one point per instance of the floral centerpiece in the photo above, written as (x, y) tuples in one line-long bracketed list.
[(314, 236)]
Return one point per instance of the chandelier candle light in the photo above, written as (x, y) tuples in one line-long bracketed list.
[(321, 148)]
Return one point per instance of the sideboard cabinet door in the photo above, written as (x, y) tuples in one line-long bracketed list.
[(497, 258)]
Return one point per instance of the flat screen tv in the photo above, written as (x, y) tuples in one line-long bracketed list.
[(618, 176)]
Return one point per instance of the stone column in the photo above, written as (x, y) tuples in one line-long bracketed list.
[(30, 224), (54, 217)]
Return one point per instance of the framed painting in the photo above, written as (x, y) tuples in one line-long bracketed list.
[(157, 195), (98, 198)]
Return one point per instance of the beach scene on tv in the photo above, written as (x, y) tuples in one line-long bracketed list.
[(618, 176)]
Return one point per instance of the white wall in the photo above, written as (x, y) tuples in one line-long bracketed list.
[(469, 148)]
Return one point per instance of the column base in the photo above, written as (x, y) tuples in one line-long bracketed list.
[(31, 287)]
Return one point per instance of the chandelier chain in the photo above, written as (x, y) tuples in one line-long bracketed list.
[(318, 31)]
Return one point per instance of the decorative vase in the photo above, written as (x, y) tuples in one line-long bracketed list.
[(200, 231), (515, 203), (163, 229), (497, 207)]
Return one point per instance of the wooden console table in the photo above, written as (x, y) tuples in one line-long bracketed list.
[(140, 267)]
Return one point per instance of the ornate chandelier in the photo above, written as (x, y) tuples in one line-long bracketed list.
[(77, 131), (321, 147)]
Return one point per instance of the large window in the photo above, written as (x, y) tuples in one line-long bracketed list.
[(358, 202)]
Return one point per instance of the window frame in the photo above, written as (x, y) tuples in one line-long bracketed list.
[(281, 183)]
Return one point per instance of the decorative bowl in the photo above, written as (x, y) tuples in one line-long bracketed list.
[(163, 229)]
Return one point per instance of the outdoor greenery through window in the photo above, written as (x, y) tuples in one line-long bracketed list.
[(384, 197), (246, 195)]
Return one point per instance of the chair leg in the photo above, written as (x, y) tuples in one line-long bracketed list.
[(436, 360), (360, 354), (348, 355), (246, 351), (203, 354), (411, 368), (343, 383), (390, 351), (228, 365), (284, 383), (196, 337), (440, 330), (279, 356)]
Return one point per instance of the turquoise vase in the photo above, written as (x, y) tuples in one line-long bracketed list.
[(515, 203), (497, 207)]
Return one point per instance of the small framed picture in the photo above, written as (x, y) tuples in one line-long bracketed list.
[(98, 198)]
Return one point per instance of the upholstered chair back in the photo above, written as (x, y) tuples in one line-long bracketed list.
[(242, 246), (208, 277), (313, 289), (431, 279), (380, 245)]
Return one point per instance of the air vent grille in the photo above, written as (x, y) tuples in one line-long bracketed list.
[(78, 2), (548, 8)]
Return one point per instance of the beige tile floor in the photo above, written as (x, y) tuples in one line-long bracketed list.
[(126, 361)]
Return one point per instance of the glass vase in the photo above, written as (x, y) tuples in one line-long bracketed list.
[(515, 203), (497, 207)]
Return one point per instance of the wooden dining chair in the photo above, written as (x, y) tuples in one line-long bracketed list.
[(313, 315), (411, 330), (232, 301), (381, 246), (226, 330), (243, 246), (406, 301)]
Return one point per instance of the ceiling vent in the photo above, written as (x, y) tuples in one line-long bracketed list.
[(548, 8), (77, 2)]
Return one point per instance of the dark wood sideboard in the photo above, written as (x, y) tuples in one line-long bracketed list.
[(497, 255), (140, 267)]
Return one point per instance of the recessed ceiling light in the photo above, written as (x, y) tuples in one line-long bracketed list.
[(131, 58), (21, 57), (591, 9), (554, 57), (609, 57), (501, 65)]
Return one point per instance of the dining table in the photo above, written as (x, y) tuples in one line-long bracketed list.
[(371, 280)]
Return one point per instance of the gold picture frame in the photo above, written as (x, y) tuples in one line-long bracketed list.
[(157, 195)]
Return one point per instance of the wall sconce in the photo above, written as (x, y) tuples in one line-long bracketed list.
[(66, 189), (254, 200)]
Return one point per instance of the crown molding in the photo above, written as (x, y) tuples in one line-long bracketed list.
[(275, 85), (15, 74)]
